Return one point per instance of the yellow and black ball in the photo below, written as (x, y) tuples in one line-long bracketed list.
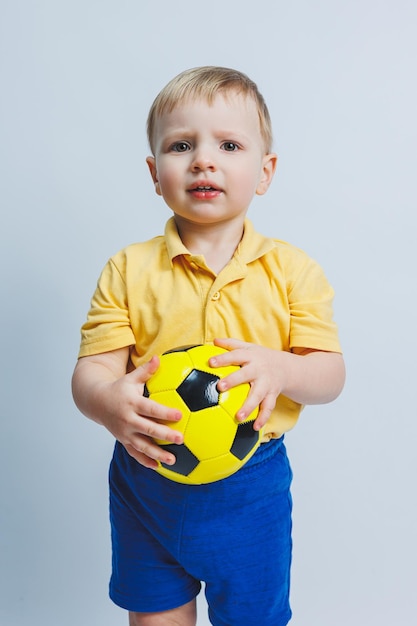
[(215, 444)]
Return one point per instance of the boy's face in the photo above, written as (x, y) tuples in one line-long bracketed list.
[(210, 159)]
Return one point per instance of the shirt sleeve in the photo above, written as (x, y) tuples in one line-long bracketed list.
[(311, 308), (108, 322)]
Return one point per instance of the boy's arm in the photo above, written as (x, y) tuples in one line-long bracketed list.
[(304, 375), (106, 394)]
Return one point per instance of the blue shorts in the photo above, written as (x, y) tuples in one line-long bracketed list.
[(234, 534)]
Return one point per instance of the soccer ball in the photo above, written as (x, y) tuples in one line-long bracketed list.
[(215, 444)]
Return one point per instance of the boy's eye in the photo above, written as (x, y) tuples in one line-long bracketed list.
[(230, 146), (180, 146)]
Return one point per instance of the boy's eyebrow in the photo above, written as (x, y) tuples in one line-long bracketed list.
[(178, 131), (221, 133)]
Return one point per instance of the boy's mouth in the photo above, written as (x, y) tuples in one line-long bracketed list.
[(204, 189), (204, 192)]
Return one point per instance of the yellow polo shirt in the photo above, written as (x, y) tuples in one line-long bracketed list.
[(156, 295)]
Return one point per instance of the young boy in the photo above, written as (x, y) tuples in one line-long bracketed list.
[(211, 277)]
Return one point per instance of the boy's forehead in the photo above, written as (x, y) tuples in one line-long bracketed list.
[(226, 104)]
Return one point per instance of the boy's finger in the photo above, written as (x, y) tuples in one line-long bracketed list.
[(228, 343), (248, 407), (145, 371), (232, 380), (157, 411), (153, 428), (266, 405), (151, 462), (261, 420)]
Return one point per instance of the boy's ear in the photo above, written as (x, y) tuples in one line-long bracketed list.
[(152, 168), (268, 170)]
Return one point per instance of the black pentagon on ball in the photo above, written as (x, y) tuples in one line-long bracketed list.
[(199, 390), (246, 437), (185, 462)]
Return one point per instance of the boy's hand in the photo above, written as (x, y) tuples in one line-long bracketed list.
[(306, 376), (117, 402), (261, 368)]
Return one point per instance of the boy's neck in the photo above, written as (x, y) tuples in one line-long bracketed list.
[(216, 242)]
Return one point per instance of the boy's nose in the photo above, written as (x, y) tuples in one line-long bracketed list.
[(203, 160)]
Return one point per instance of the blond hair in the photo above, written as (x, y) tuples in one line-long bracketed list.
[(207, 82)]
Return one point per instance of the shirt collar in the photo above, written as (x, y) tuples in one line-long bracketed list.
[(252, 246)]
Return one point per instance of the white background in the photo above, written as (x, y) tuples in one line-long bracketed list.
[(77, 79)]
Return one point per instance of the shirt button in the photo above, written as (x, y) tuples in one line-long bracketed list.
[(216, 295)]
